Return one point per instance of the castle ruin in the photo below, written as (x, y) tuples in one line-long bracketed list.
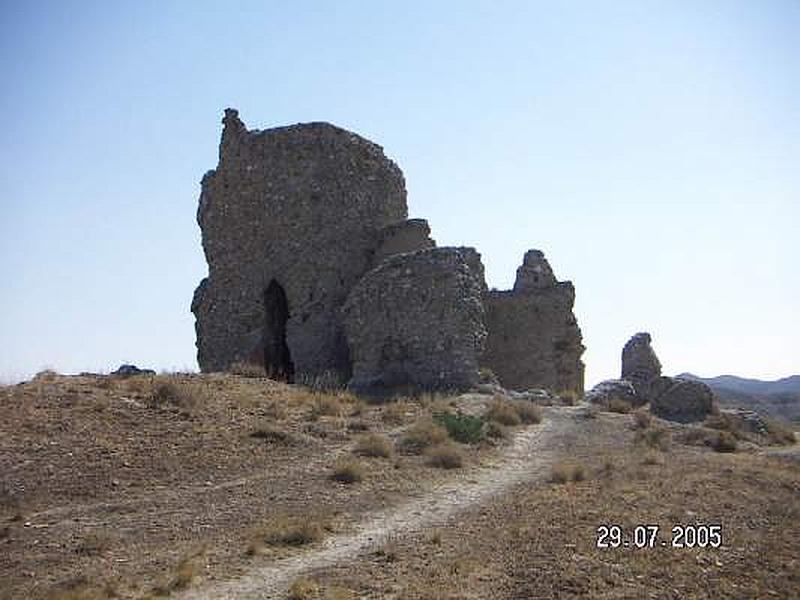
[(314, 268)]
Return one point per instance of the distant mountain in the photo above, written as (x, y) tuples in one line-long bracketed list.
[(779, 398)]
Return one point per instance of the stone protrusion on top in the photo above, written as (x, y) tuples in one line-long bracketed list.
[(416, 321), (406, 236), (640, 365), (534, 273), (534, 339)]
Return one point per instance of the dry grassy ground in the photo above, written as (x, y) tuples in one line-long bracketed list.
[(145, 486)]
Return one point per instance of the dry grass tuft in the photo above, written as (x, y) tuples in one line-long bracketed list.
[(247, 369), (656, 438), (529, 414), (374, 445), (445, 456), (564, 472), (94, 544), (348, 471), (326, 406), (170, 392), (495, 431), (422, 435), (642, 419), (303, 589), (723, 441), (185, 573), (397, 413), (779, 434), (292, 532), (504, 412)]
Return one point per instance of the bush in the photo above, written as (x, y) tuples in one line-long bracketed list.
[(247, 369), (723, 441), (462, 428), (326, 406), (292, 532), (529, 413), (166, 392), (374, 445), (778, 433), (564, 472), (445, 456), (422, 435), (349, 471), (302, 589), (504, 412), (495, 431), (654, 437)]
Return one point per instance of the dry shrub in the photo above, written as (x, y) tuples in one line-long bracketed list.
[(273, 435), (303, 589), (723, 441), (618, 405), (185, 572), (326, 406), (642, 419), (778, 433), (529, 413), (348, 471), (569, 397), (504, 412), (495, 431), (374, 445), (445, 456), (656, 438), (276, 410), (397, 413), (292, 532), (564, 472), (248, 369), (422, 435), (652, 458), (171, 392)]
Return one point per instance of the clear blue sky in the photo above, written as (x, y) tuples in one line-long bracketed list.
[(651, 149)]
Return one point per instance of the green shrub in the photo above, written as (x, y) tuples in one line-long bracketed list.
[(462, 428)]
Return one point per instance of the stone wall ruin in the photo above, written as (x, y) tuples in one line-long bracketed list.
[(314, 268)]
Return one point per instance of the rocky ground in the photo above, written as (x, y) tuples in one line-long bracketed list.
[(218, 486)]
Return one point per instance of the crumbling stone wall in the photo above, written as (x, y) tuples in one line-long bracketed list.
[(314, 267), (534, 340), (417, 320), (302, 206)]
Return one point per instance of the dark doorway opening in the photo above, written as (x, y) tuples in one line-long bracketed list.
[(277, 358)]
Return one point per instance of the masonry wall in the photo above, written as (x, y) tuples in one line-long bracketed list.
[(302, 206), (533, 337)]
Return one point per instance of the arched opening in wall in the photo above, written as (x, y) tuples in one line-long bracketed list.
[(277, 358)]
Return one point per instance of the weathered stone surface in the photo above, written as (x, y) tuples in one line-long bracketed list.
[(606, 391), (681, 400), (534, 340), (406, 236), (296, 220), (301, 208), (416, 320), (640, 365)]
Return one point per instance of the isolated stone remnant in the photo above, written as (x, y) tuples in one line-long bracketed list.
[(682, 400), (315, 270), (640, 364), (416, 320), (534, 340)]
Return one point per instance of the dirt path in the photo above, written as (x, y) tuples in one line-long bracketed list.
[(527, 458)]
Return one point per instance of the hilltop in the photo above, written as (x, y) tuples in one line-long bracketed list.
[(780, 398), (230, 485)]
